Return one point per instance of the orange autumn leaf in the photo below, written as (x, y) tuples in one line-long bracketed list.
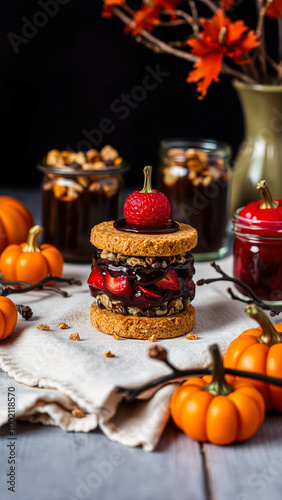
[(275, 9), (148, 16), (226, 4), (220, 38), (107, 11)]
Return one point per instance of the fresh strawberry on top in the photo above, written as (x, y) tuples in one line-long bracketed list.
[(148, 207)]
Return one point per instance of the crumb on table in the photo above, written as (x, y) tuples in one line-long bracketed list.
[(74, 336), (191, 336), (43, 327), (63, 326), (109, 354)]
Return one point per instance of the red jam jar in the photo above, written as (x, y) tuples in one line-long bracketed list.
[(258, 256)]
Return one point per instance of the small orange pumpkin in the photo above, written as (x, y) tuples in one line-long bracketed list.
[(15, 221), (29, 262), (8, 317), (259, 350), (217, 409)]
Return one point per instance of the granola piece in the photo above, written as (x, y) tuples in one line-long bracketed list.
[(92, 156), (110, 186), (55, 159), (107, 303), (207, 180), (74, 190), (109, 154), (168, 177), (107, 255), (77, 412), (135, 261), (153, 338), (97, 165), (135, 311), (160, 311), (59, 191), (43, 327), (75, 158), (74, 336), (118, 161), (63, 326), (109, 354), (95, 187), (149, 260), (83, 180), (177, 304), (191, 336)]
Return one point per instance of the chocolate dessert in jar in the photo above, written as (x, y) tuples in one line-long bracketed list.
[(79, 190), (194, 176), (142, 270)]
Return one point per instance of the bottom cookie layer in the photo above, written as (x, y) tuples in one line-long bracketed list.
[(140, 327)]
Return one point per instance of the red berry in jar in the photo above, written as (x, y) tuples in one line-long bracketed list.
[(258, 246), (148, 207)]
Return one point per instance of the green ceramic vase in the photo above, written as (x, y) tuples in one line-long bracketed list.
[(260, 155)]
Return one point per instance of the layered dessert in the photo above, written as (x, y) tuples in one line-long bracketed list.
[(142, 270), (80, 189)]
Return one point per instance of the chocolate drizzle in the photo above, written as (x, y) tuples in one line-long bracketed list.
[(170, 227)]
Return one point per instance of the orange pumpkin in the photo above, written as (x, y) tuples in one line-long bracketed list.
[(8, 317), (15, 221), (29, 262), (259, 350), (217, 409)]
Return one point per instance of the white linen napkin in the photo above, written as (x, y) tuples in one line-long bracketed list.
[(52, 374)]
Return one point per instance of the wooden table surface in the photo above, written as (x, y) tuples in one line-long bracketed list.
[(56, 465)]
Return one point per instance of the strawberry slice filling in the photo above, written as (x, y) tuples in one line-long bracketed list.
[(135, 286)]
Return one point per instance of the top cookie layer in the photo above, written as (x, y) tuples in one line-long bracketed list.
[(105, 237)]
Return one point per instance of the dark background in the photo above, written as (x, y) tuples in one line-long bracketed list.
[(66, 77)]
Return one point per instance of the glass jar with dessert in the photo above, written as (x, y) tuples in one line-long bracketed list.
[(80, 190), (194, 176), (258, 246)]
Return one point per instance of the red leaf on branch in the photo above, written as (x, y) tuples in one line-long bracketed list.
[(148, 16), (220, 38), (226, 4), (107, 11), (275, 9)]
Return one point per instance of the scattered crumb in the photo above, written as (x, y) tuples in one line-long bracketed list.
[(74, 336), (109, 354), (63, 326), (191, 336), (77, 412), (43, 327), (153, 338), (116, 336)]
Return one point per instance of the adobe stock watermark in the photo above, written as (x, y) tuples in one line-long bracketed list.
[(30, 27), (11, 445), (121, 107), (85, 487), (258, 482)]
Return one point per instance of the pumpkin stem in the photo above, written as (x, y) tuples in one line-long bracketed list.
[(32, 239), (219, 385), (266, 196), (269, 335), (147, 188)]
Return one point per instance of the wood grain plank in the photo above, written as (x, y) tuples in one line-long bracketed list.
[(250, 470), (55, 465)]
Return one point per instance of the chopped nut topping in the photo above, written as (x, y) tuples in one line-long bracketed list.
[(63, 326), (109, 354), (105, 301), (43, 327), (136, 311), (153, 338), (134, 261), (74, 336), (77, 412), (107, 255), (191, 336)]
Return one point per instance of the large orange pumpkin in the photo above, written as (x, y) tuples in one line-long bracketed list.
[(217, 409), (259, 350), (8, 317), (30, 262), (15, 221)]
